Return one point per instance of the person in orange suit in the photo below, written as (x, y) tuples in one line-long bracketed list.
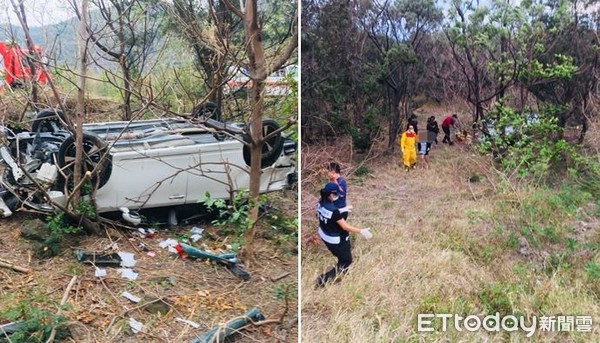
[(408, 143)]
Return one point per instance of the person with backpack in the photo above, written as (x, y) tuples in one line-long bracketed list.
[(412, 120), (432, 130)]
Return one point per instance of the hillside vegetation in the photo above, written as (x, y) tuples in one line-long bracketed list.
[(461, 237)]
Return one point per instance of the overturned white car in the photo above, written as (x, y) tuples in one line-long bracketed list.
[(137, 165)]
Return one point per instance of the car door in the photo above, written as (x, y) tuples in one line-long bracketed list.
[(149, 178)]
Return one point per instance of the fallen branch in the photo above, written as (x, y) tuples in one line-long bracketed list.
[(7, 264), (60, 307)]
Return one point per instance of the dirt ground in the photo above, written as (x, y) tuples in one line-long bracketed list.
[(193, 290)]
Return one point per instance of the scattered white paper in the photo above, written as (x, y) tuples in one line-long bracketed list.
[(100, 272), (127, 259), (169, 242), (189, 322), (128, 273), (135, 325), (197, 230), (195, 237), (131, 297)]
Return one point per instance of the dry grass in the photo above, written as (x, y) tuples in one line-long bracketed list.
[(439, 245)]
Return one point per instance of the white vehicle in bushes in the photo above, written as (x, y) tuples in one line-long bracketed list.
[(141, 164)]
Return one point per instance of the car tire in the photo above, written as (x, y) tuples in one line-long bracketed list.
[(95, 148), (272, 147), (207, 110), (45, 118)]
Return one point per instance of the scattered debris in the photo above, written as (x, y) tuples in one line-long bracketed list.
[(180, 251), (220, 332), (169, 243), (9, 327), (120, 259), (102, 260), (127, 259), (145, 233), (189, 322), (151, 253), (131, 217), (128, 273), (100, 272), (135, 325), (10, 265), (228, 259), (196, 234), (131, 297), (279, 277)]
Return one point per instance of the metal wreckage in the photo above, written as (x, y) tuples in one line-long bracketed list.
[(142, 164)]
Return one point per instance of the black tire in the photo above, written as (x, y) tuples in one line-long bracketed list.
[(94, 151), (207, 110), (48, 120), (271, 149)]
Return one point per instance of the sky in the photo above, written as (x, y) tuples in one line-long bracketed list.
[(38, 12)]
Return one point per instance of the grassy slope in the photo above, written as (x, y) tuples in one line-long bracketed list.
[(446, 245)]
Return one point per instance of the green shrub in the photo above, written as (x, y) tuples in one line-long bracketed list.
[(592, 270), (499, 297), (34, 324)]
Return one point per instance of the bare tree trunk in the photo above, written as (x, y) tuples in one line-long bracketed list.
[(127, 91), (255, 153), (80, 106), (256, 56), (258, 70), (395, 122)]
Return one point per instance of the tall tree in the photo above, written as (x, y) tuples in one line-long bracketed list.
[(333, 68), (396, 30), (259, 67), (126, 35), (210, 32)]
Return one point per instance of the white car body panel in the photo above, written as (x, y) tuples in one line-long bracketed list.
[(167, 162)]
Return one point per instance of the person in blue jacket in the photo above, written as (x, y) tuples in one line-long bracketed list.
[(334, 232), (334, 174)]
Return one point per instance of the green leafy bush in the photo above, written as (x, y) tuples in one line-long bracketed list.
[(34, 324)]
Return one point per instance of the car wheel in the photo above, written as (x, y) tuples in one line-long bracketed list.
[(207, 110), (272, 147), (48, 120), (96, 159)]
